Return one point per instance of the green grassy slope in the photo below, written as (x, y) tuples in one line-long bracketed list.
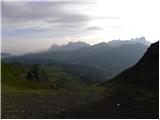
[(11, 79), (32, 77)]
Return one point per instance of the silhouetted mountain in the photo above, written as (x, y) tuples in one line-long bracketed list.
[(116, 59), (68, 47), (131, 94), (116, 43), (6, 55), (101, 56), (145, 72)]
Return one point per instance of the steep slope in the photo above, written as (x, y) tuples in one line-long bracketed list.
[(123, 97), (145, 72), (132, 94), (115, 60)]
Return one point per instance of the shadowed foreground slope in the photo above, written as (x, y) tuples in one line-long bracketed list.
[(132, 94), (145, 73)]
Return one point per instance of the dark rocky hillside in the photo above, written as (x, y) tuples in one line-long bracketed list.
[(132, 94), (145, 73)]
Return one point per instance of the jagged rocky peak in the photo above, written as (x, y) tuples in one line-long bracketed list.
[(101, 44), (78, 43), (141, 40), (69, 46)]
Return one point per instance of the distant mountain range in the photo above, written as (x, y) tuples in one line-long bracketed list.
[(114, 43), (141, 40), (6, 55), (112, 57), (68, 47), (132, 94)]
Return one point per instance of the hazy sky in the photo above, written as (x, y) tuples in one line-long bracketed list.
[(31, 26)]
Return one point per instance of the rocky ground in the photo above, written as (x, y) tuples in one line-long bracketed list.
[(88, 104), (42, 105)]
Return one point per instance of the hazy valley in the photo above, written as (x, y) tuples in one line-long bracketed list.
[(82, 82)]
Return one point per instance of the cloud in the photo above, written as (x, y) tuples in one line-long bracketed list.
[(93, 28), (28, 21), (115, 27), (20, 14), (69, 18), (108, 17)]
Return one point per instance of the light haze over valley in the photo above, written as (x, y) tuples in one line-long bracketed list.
[(80, 59)]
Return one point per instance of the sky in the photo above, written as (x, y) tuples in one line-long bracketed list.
[(32, 25)]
